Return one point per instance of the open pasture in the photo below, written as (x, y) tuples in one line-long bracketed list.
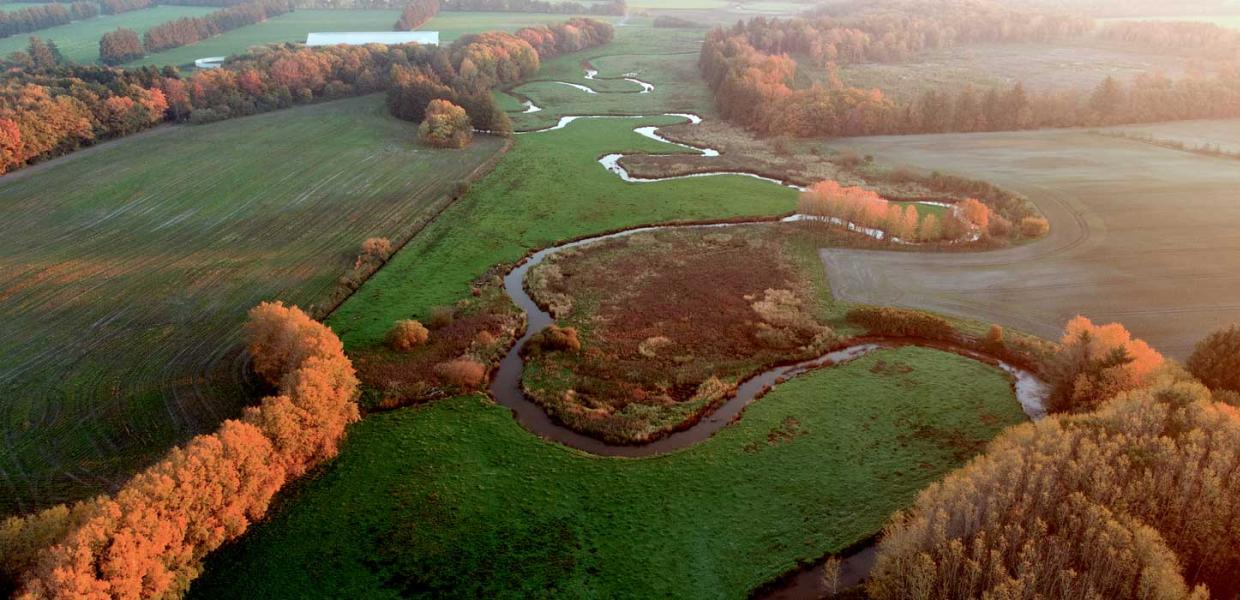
[(79, 40), (666, 58), (1140, 235), (457, 500), (550, 187), (294, 26), (127, 270), (291, 27), (985, 66)]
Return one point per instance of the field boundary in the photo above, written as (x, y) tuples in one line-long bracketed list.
[(474, 176)]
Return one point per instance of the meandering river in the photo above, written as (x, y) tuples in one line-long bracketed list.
[(507, 389)]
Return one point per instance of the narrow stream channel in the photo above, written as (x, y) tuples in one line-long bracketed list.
[(506, 386)]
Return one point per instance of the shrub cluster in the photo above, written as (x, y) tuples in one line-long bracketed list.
[(556, 339), (416, 14), (149, 538), (407, 335), (465, 374), (670, 22), (899, 322)]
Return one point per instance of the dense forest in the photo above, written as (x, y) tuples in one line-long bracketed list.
[(1130, 492), (48, 109), (751, 70)]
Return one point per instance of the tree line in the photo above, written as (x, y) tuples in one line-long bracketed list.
[(188, 30), (148, 539), (34, 18), (612, 7), (1203, 40), (1132, 492), (116, 7), (965, 220), (465, 74), (48, 108), (752, 77), (896, 30), (416, 14)]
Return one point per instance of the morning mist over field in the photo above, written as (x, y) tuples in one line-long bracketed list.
[(777, 299)]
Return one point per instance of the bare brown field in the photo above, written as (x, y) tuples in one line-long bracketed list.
[(1141, 235), (1193, 134)]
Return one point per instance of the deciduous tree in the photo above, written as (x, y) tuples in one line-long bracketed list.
[(1216, 360), (446, 126)]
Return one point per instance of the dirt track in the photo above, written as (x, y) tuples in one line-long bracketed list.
[(1141, 235)]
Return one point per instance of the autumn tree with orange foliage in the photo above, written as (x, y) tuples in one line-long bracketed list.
[(1137, 500), (150, 538), (1095, 363), (862, 207), (974, 212), (48, 108)]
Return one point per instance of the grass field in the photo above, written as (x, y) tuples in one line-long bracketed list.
[(127, 269), (548, 188), (1192, 134), (1140, 235), (291, 27), (666, 58), (457, 500), (985, 66), (294, 26), (79, 40)]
